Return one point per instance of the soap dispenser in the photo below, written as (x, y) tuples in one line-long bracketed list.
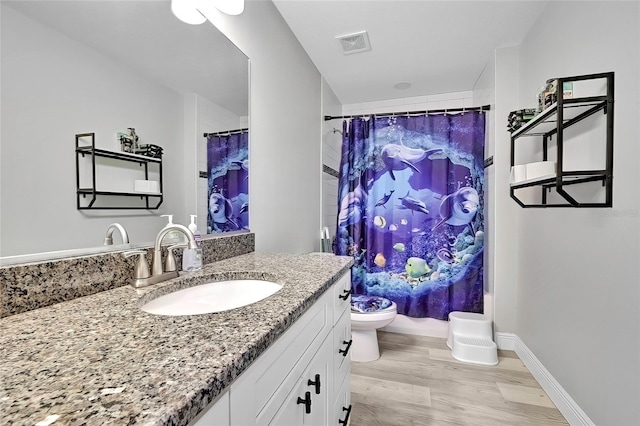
[(192, 258), (194, 229), (173, 237)]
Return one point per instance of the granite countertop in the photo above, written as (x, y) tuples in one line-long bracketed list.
[(100, 360)]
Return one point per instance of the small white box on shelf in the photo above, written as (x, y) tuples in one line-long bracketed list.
[(532, 172), (147, 186), (541, 170), (518, 173)]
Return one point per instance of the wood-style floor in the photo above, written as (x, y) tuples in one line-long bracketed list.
[(416, 381)]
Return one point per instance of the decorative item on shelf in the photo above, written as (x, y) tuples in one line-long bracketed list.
[(548, 96), (567, 90), (126, 145), (519, 117), (128, 140), (134, 137), (150, 150)]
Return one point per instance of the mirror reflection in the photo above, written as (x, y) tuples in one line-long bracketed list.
[(228, 188), (106, 67)]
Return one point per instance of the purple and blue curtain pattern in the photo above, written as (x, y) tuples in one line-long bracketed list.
[(228, 184), (411, 210)]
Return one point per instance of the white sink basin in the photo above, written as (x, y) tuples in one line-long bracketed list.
[(211, 297)]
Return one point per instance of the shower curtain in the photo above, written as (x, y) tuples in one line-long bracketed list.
[(410, 203), (228, 182)]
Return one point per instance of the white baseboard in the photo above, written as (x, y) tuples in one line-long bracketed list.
[(506, 341), (567, 406)]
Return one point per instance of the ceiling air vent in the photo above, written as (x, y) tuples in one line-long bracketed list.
[(354, 43)]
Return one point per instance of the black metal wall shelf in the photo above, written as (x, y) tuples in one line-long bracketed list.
[(136, 158), (553, 121), (148, 201)]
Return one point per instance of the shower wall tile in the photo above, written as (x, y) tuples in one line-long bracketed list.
[(332, 146), (329, 202)]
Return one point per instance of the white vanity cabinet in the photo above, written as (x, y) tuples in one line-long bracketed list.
[(308, 403), (302, 378), (341, 353), (342, 405)]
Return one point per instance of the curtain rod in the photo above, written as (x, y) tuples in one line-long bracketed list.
[(401, 113), (226, 132)]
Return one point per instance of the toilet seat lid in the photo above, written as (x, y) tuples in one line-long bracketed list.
[(365, 304)]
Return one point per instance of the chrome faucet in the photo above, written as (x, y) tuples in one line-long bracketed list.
[(156, 268), (108, 239), (142, 277)]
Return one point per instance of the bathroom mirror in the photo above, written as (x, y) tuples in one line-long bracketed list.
[(101, 67)]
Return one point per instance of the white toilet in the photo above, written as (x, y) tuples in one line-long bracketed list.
[(364, 325)]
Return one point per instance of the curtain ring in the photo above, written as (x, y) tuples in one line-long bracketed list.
[(445, 111), (463, 110)]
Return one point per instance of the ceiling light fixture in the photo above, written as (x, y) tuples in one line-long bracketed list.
[(402, 85), (230, 7), (186, 11)]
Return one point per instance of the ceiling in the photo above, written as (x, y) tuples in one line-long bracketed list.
[(146, 37), (437, 46)]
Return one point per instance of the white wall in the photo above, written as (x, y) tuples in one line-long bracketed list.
[(331, 153), (285, 112), (577, 299), (484, 93), (506, 242), (52, 88)]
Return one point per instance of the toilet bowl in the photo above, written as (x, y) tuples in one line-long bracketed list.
[(378, 314)]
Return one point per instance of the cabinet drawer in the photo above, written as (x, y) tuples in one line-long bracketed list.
[(260, 391), (341, 343), (318, 381), (342, 405), (341, 296), (291, 412)]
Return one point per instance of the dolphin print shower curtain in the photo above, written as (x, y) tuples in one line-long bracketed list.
[(228, 182), (411, 210)]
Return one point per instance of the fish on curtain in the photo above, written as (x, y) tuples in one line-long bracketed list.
[(411, 203), (228, 182)]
